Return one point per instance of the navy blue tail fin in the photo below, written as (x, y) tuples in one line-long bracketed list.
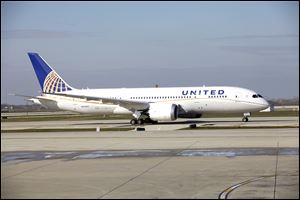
[(49, 80)]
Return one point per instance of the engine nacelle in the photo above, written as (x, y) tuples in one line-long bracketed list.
[(162, 111)]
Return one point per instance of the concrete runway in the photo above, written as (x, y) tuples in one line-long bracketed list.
[(179, 123), (156, 163)]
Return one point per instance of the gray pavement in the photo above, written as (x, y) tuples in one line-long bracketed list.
[(152, 164), (163, 126), (154, 177), (224, 138)]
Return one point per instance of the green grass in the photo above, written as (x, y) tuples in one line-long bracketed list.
[(237, 127), (70, 117), (64, 130), (67, 117)]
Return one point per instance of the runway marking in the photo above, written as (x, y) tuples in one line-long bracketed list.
[(224, 194), (144, 172), (227, 191), (102, 154)]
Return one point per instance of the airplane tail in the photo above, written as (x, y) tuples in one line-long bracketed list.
[(49, 80)]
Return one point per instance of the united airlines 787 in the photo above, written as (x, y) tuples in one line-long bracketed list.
[(146, 105)]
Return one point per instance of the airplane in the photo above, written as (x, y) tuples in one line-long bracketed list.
[(146, 105)]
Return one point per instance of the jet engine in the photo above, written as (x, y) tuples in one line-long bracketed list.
[(162, 111)]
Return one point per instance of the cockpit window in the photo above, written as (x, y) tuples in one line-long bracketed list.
[(256, 96)]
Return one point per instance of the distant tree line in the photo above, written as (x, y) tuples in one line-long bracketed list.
[(24, 108), (284, 102)]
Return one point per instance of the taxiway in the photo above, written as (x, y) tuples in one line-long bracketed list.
[(161, 162)]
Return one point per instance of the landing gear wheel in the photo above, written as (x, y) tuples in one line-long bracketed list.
[(246, 115), (133, 122), (140, 121), (245, 119)]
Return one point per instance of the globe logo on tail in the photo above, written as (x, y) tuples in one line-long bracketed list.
[(53, 84)]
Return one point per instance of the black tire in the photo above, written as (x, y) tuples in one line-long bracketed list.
[(245, 119), (133, 122), (140, 121)]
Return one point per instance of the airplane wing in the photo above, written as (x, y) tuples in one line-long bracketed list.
[(31, 98), (130, 105), (41, 100), (21, 95)]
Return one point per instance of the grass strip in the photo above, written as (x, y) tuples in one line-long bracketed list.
[(63, 130), (254, 114), (237, 127), (70, 117), (27, 118)]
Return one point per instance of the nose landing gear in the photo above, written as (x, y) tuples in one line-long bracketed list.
[(245, 118)]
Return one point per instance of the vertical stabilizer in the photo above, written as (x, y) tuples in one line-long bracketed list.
[(49, 80)]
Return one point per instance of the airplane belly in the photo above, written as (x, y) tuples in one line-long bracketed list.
[(121, 111), (82, 107)]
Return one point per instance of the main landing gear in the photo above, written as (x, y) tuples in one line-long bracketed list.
[(141, 118), (142, 121), (245, 118), (135, 121)]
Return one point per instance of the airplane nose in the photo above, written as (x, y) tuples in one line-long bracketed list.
[(265, 103)]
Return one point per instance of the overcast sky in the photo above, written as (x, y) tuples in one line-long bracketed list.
[(254, 45)]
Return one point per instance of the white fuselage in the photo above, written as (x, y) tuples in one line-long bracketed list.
[(192, 100)]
